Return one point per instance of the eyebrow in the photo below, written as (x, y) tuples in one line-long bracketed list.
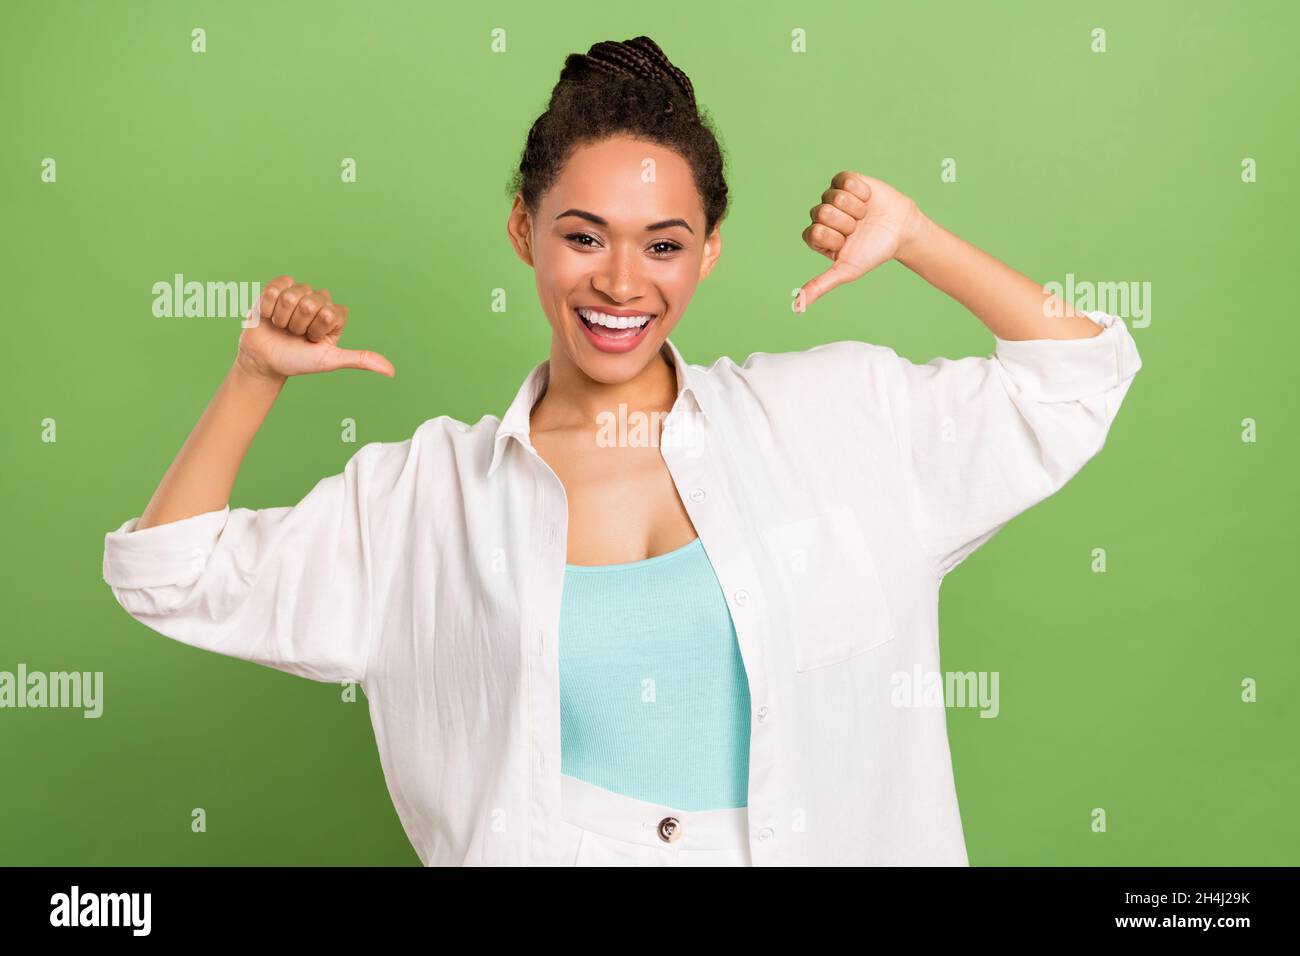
[(592, 217)]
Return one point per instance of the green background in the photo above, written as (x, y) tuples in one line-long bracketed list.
[(1118, 690)]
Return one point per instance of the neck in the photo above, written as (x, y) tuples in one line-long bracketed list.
[(574, 399)]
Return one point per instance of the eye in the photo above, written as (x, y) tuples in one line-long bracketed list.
[(665, 247), (575, 236)]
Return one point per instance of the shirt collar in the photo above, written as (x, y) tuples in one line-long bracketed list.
[(516, 421)]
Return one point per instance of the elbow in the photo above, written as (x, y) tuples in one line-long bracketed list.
[(145, 603)]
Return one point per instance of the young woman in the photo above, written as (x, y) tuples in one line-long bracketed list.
[(658, 612)]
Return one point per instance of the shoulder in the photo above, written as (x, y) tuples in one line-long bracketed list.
[(434, 444), (444, 439), (826, 370)]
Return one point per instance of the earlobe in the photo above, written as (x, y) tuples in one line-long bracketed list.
[(712, 249), (519, 231)]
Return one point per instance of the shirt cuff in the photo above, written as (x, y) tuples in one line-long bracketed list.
[(164, 554), (1065, 370)]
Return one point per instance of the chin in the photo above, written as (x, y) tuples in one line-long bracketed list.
[(614, 369)]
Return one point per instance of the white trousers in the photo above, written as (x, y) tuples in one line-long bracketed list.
[(604, 828)]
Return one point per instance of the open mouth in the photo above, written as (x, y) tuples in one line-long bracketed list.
[(614, 333)]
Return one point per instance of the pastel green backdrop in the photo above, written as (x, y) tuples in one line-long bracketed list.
[(1119, 690)]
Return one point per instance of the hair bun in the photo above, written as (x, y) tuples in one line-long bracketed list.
[(642, 59)]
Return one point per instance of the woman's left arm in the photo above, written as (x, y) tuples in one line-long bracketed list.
[(980, 439), (863, 222)]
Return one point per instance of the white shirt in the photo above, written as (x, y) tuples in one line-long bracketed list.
[(832, 489)]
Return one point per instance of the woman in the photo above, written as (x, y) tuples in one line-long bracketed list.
[(657, 612)]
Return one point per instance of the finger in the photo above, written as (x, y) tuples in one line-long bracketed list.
[(823, 239), (287, 302), (305, 313), (833, 218), (845, 200), (319, 328), (815, 288), (363, 358), (272, 292), (854, 183), (327, 320)]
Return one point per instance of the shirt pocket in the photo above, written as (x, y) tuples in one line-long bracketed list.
[(835, 603)]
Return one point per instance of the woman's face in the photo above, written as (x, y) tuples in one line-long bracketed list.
[(618, 238)]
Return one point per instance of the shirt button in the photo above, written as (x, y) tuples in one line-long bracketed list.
[(741, 596), (697, 494), (669, 829), (765, 833), (762, 714)]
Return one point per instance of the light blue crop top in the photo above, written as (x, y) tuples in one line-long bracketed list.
[(654, 701)]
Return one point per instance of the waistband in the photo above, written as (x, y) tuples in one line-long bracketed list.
[(650, 824)]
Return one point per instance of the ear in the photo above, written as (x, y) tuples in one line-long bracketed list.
[(519, 227), (712, 249)]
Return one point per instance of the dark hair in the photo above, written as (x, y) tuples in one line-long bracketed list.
[(628, 87)]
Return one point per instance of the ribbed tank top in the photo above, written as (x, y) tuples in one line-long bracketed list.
[(654, 701)]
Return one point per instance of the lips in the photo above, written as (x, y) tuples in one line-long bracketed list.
[(608, 339)]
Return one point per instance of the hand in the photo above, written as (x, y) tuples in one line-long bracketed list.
[(860, 223), (294, 330)]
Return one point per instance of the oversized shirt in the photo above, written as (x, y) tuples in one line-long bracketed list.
[(833, 489)]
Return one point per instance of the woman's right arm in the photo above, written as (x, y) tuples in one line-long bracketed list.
[(203, 472), (288, 587), (294, 330)]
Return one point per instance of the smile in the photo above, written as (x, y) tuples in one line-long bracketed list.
[(614, 333)]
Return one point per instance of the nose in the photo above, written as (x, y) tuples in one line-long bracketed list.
[(618, 279)]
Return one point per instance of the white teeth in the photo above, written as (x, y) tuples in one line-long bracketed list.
[(615, 321)]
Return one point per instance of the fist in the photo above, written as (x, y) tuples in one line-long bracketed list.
[(860, 223), (294, 330)]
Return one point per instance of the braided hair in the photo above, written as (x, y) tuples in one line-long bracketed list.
[(627, 87)]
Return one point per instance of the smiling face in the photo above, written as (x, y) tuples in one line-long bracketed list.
[(617, 249)]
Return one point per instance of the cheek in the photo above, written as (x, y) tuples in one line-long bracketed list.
[(558, 276), (679, 283)]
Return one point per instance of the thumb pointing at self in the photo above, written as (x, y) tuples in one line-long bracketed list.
[(357, 358), (812, 290)]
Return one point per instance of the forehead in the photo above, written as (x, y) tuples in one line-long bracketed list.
[(626, 179)]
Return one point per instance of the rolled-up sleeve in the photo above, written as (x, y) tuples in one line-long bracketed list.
[(287, 587), (983, 439)]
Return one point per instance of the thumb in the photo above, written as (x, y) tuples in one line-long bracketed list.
[(358, 358), (815, 288)]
